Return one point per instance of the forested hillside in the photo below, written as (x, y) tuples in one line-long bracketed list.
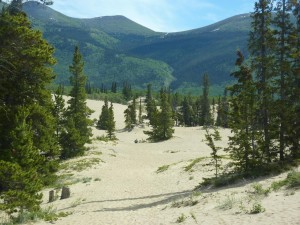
[(118, 49)]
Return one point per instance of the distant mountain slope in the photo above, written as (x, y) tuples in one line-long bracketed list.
[(118, 49), (210, 49)]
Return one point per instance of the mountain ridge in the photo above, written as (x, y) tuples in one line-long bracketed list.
[(116, 48)]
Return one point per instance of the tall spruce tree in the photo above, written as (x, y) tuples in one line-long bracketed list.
[(150, 106), (103, 118), (242, 118), (111, 124), (261, 45), (77, 131), (162, 128), (284, 37), (28, 146), (206, 118)]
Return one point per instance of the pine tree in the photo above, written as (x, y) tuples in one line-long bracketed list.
[(242, 118), (78, 131), (187, 112), (284, 33), (29, 148), (103, 118), (211, 138), (150, 106), (59, 110), (111, 124), (162, 128), (261, 45), (205, 106), (140, 112)]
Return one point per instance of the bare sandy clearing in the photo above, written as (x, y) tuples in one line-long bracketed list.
[(126, 188)]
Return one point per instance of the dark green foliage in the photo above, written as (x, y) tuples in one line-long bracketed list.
[(127, 51), (114, 87), (19, 188), (187, 112), (261, 45), (130, 115), (111, 124), (104, 116), (77, 130), (127, 91), (206, 117), (29, 149), (211, 138), (150, 105), (162, 121), (59, 110), (242, 145)]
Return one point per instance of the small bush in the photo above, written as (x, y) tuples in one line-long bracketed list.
[(293, 180), (257, 208), (162, 168), (259, 190), (181, 218), (228, 203)]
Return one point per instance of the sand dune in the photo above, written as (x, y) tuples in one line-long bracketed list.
[(124, 188)]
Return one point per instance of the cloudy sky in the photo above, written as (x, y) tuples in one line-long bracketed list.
[(158, 15)]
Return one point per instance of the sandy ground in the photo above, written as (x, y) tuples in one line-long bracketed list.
[(124, 188)]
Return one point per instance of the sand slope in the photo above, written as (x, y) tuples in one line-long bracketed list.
[(131, 192)]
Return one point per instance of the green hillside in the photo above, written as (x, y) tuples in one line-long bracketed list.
[(118, 49)]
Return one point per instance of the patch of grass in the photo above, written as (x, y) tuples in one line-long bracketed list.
[(193, 163), (259, 190), (80, 165), (86, 179), (228, 203), (291, 181), (196, 193), (106, 138), (97, 179), (185, 203), (49, 214), (257, 208), (222, 180), (181, 218), (194, 217), (77, 202), (162, 168)]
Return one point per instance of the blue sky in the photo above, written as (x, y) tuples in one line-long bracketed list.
[(158, 15)]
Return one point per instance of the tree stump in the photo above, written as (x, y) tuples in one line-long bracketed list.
[(51, 196), (65, 193)]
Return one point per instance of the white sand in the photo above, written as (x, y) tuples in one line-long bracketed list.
[(131, 192)]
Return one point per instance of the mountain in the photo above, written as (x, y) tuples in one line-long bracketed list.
[(118, 49)]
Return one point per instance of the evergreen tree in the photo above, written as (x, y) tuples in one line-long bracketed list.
[(162, 128), (150, 106), (114, 87), (205, 106), (219, 113), (140, 112), (59, 110), (28, 148), (242, 144), (224, 110), (261, 45), (103, 118), (77, 131), (130, 115), (211, 138), (284, 33), (111, 124), (187, 112), (127, 92)]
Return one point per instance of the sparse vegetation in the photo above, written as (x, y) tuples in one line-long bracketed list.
[(80, 165), (181, 218), (162, 168), (257, 208), (193, 163)]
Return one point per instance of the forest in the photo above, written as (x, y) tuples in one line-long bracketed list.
[(39, 130)]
